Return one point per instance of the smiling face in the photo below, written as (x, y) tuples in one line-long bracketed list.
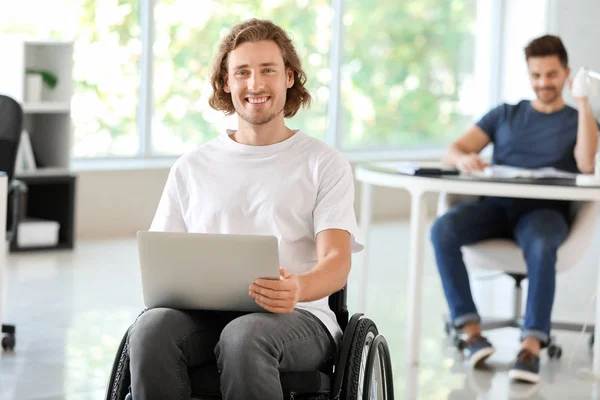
[(257, 80), (547, 76)]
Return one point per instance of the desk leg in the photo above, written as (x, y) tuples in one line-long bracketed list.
[(366, 214), (418, 217), (411, 390)]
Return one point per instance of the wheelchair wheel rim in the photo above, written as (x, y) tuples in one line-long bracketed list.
[(378, 375), (363, 362), (378, 378)]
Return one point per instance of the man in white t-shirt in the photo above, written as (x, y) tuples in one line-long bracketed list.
[(267, 179)]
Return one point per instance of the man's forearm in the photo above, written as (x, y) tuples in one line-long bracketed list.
[(587, 138), (452, 155), (329, 276)]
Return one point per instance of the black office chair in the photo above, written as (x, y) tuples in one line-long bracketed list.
[(362, 370), (11, 126)]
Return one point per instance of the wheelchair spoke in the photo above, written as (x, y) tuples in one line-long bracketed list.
[(377, 378), (376, 385)]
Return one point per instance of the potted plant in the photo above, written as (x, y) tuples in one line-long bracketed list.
[(35, 80)]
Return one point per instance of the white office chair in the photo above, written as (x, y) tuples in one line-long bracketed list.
[(505, 255)]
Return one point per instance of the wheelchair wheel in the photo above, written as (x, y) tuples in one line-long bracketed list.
[(364, 346), (378, 383), (120, 379)]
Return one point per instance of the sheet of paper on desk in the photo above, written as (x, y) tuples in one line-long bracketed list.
[(505, 171), (415, 168)]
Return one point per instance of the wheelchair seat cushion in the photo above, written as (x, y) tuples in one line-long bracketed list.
[(205, 381)]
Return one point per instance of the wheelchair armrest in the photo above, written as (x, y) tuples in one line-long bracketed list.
[(338, 304)]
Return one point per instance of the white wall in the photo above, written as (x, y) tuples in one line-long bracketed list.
[(522, 22), (577, 22)]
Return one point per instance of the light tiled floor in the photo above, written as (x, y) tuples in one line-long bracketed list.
[(71, 309)]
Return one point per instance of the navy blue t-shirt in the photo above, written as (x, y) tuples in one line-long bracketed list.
[(526, 138)]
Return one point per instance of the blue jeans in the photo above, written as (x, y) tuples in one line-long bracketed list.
[(538, 231)]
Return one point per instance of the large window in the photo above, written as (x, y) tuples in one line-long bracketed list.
[(383, 75), (406, 65), (186, 37)]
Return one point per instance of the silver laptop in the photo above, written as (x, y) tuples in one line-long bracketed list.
[(204, 271)]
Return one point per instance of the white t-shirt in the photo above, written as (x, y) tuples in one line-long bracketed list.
[(292, 190)]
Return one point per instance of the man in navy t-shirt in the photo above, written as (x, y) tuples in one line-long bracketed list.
[(544, 132)]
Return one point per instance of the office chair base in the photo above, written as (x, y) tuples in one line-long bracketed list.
[(487, 324)]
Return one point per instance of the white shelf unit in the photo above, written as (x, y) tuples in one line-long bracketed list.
[(48, 121), (50, 107)]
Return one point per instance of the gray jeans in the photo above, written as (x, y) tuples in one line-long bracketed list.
[(250, 350)]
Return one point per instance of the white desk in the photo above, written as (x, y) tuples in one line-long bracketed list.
[(417, 186)]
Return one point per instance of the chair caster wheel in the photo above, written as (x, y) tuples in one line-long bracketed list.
[(8, 342), (554, 351), (459, 344)]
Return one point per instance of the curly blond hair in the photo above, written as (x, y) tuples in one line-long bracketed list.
[(255, 30)]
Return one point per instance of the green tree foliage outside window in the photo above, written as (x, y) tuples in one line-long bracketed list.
[(404, 68), (404, 65)]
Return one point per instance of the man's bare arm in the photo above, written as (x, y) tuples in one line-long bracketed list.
[(464, 152), (587, 137), (333, 266), (472, 142)]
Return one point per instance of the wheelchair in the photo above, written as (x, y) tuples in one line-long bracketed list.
[(362, 369)]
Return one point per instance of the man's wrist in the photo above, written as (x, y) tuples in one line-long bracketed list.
[(582, 102), (302, 283)]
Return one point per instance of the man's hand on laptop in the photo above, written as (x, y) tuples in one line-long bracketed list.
[(278, 296), (470, 163)]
